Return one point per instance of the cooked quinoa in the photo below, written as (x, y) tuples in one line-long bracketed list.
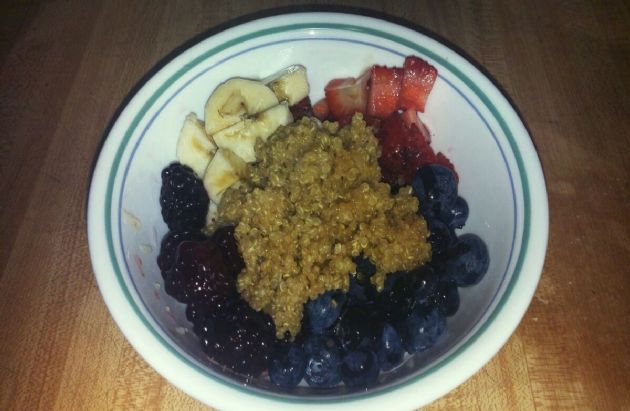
[(312, 202)]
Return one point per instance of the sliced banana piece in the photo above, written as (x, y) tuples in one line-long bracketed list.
[(241, 137), (194, 148), (235, 99), (290, 84), (223, 172), (213, 213)]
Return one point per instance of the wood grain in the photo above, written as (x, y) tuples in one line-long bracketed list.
[(65, 66)]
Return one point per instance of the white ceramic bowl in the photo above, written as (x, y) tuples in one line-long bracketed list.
[(471, 121)]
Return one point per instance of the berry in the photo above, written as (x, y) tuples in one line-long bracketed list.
[(436, 291), (302, 109), (446, 297), (397, 297), (404, 150), (346, 96), (359, 328), (455, 215), (424, 326), (197, 313), (239, 338), (441, 237), (383, 91), (359, 369), (199, 274), (440, 187), (410, 118), (467, 260), (321, 110), (365, 267), (361, 291), (323, 311), (224, 238), (183, 198), (322, 361), (425, 287), (169, 245), (390, 351), (417, 82), (287, 365)]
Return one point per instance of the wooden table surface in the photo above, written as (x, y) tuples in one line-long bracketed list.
[(66, 66)]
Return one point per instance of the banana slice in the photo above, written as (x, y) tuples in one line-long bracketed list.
[(235, 99), (213, 213), (241, 137), (290, 84), (223, 172), (194, 149)]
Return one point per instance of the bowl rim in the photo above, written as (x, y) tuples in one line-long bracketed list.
[(535, 227)]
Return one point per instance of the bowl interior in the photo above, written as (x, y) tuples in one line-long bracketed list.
[(462, 126)]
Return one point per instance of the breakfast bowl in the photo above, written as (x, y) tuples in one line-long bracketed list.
[(470, 121)]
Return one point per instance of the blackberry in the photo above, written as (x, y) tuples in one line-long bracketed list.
[(239, 338), (169, 244), (183, 198), (224, 237), (199, 274)]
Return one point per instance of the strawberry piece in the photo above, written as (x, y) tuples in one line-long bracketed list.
[(302, 109), (410, 117), (346, 96), (418, 79), (403, 150), (385, 85), (321, 110)]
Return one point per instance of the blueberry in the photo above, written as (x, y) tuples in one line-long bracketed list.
[(455, 216), (467, 260), (360, 292), (359, 328), (437, 290), (322, 362), (446, 297), (359, 369), (287, 365), (440, 186), (424, 326), (391, 351), (324, 310), (365, 267), (418, 190), (397, 297), (425, 287), (441, 237)]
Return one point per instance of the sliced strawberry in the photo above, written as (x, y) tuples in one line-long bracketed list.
[(403, 150), (384, 91), (346, 96), (373, 122), (321, 110), (302, 109), (418, 79), (411, 118)]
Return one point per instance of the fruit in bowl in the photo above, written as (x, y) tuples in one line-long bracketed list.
[(367, 262), (465, 320)]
